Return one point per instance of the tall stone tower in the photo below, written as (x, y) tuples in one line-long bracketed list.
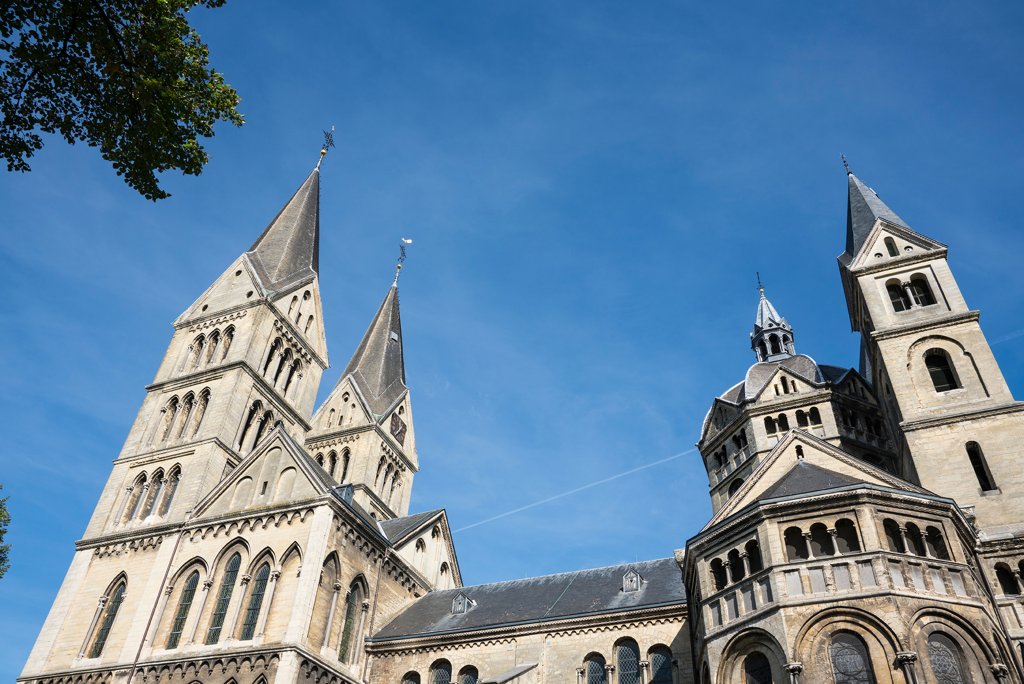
[(924, 352)]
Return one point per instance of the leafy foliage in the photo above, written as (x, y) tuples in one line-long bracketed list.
[(5, 549), (131, 77)]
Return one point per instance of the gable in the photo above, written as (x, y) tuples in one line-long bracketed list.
[(888, 242), (234, 287), (276, 473), (829, 467), (343, 408), (302, 308)]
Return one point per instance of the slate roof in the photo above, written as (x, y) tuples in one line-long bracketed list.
[(288, 251), (378, 366), (804, 478), (767, 316), (863, 208), (550, 597), (396, 529)]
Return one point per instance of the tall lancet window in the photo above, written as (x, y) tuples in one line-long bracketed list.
[(188, 594), (220, 610), (252, 613), (353, 608), (110, 608)]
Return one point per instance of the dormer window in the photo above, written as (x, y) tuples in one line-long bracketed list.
[(631, 581), (461, 604)]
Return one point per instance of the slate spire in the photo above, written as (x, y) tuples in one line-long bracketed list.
[(772, 336), (288, 251), (378, 366), (863, 208)]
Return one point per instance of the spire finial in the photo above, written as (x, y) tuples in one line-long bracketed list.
[(328, 144), (401, 258), (846, 164), (760, 287)]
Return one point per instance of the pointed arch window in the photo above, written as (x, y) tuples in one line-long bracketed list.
[(773, 342), (353, 608), (211, 347), (441, 672), (201, 405), (980, 466), (197, 351), (851, 663), (170, 413), (229, 336), (946, 660), (344, 466), (332, 463), (112, 604), (156, 489), (188, 594), (660, 658), (940, 369), (220, 609), (921, 291), (593, 668), (275, 348), (627, 662), (897, 296), (757, 669), (252, 612), (254, 411), (187, 404), (135, 499)]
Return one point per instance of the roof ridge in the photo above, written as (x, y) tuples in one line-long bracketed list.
[(559, 574)]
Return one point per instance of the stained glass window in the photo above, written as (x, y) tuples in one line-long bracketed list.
[(850, 661), (184, 603), (352, 605), (945, 659)]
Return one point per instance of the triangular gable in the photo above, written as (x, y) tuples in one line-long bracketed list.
[(401, 530), (718, 407), (405, 538), (816, 452), (781, 370), (904, 236), (276, 472), (228, 291), (355, 411)]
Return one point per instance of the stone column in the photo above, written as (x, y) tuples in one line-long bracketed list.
[(910, 295), (118, 518), (268, 599), (199, 613), (807, 545), (330, 616), (579, 675), (360, 642), (609, 670), (645, 666), (746, 563), (906, 660), (230, 624), (794, 670), (832, 532), (92, 625), (903, 538)]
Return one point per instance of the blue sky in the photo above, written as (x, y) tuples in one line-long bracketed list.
[(591, 187)]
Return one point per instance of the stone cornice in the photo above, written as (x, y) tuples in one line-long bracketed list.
[(943, 321), (959, 416), (901, 261), (147, 456)]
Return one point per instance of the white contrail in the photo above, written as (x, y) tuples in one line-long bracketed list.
[(1008, 336), (575, 490)]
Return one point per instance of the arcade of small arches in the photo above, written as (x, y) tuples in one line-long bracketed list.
[(738, 563), (857, 648), (1010, 579), (774, 343), (820, 540), (208, 349), (627, 667), (282, 367), (905, 295), (780, 423), (439, 574), (181, 418), (258, 422), (329, 462), (907, 537), (388, 480), (149, 495), (298, 308)]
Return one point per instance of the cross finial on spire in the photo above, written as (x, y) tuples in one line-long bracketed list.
[(401, 258), (846, 164), (328, 144), (760, 287)]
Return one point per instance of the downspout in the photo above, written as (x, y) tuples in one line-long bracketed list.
[(373, 608), (152, 612)]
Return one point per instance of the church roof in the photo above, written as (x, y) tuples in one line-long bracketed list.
[(378, 366), (863, 208), (767, 316), (288, 251), (396, 529), (805, 478), (536, 599), (759, 374)]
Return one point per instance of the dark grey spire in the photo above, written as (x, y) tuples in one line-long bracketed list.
[(378, 366), (288, 251), (772, 336), (863, 208)]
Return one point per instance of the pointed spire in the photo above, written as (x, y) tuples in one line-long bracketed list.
[(863, 208), (378, 366), (772, 336), (288, 251)]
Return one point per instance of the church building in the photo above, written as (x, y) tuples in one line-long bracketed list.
[(867, 526)]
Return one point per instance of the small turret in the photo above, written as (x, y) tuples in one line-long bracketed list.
[(772, 336)]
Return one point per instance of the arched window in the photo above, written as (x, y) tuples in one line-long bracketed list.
[(188, 593), (211, 347), (441, 672), (783, 422), (773, 342), (769, 425), (846, 536), (187, 404), (850, 661), (890, 246), (736, 569), (940, 370), (627, 661), (921, 291), (915, 540), (309, 324), (353, 610), (252, 612), (593, 668), (787, 346), (468, 675), (200, 411), (156, 488), (254, 411), (286, 359), (893, 538), (319, 458), (718, 574), (801, 419), (266, 421), (660, 658), (762, 351), (197, 351), (275, 348), (220, 609), (1007, 581), (821, 541), (170, 413), (980, 466), (757, 669), (735, 486), (332, 463), (935, 543), (293, 370), (753, 550), (344, 466), (110, 607), (135, 498), (796, 546), (411, 678), (898, 297), (229, 336), (293, 305), (946, 660), (815, 416)]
